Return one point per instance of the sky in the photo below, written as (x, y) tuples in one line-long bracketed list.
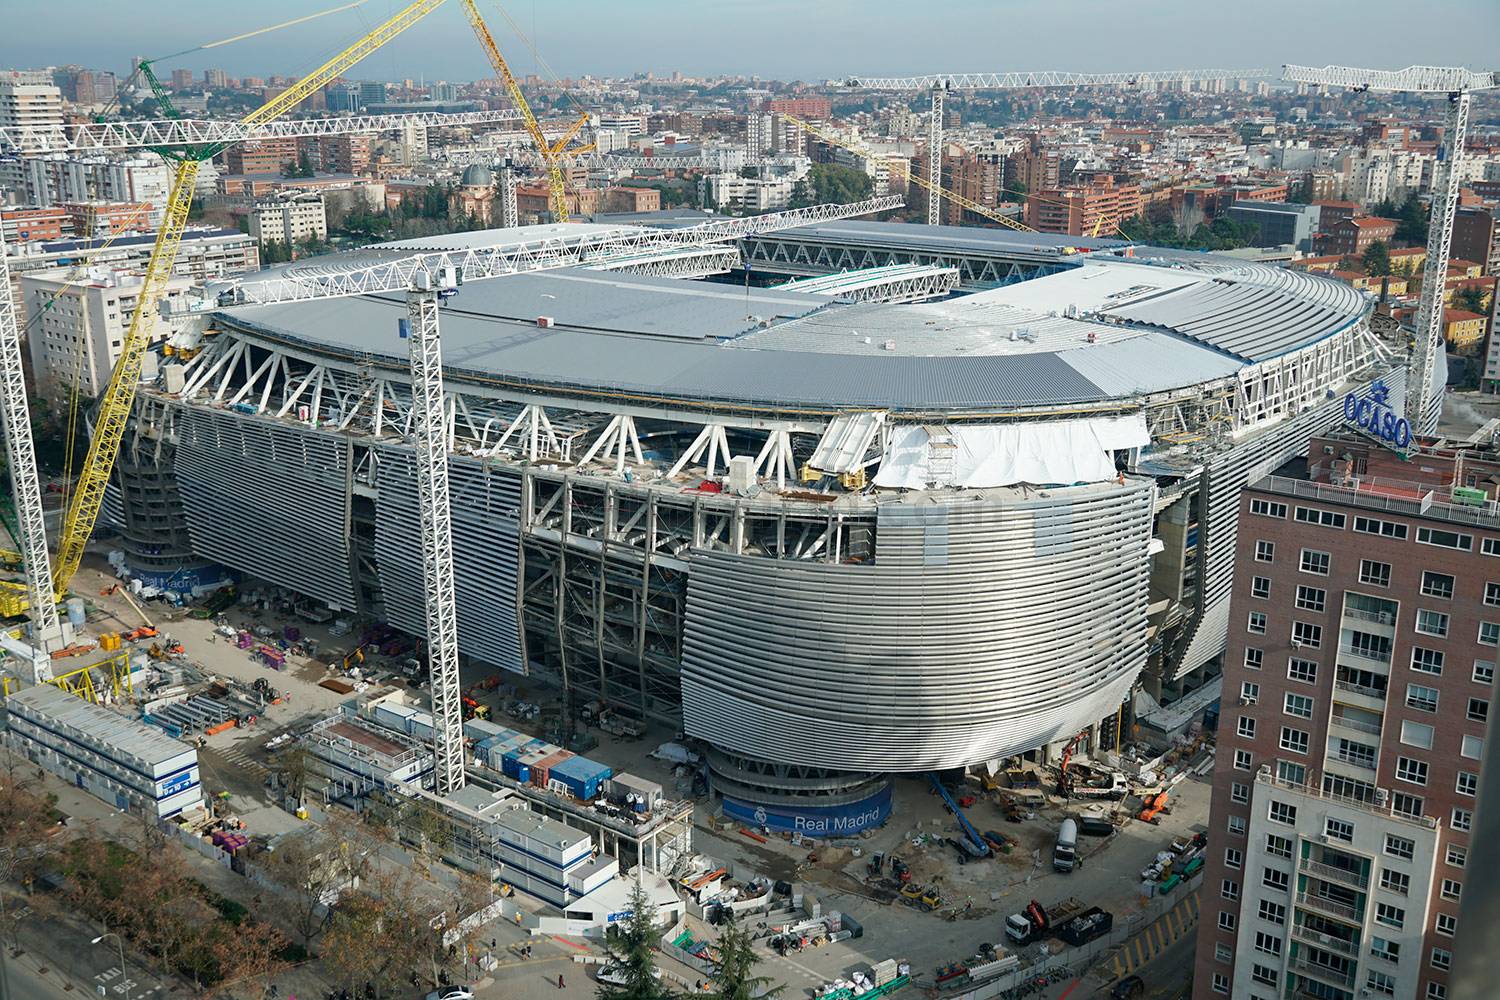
[(808, 40)]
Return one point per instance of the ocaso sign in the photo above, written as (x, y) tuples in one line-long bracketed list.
[(1374, 415)]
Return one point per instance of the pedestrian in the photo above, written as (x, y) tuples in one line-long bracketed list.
[(559, 981), (494, 943)]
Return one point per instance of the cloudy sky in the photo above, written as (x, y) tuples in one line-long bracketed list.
[(783, 39)]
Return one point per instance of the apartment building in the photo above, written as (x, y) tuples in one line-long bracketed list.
[(260, 156), (29, 98), (289, 219), (1094, 209), (81, 325), (1364, 627), (1352, 237), (1476, 235)]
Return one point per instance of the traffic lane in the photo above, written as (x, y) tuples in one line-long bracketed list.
[(60, 950)]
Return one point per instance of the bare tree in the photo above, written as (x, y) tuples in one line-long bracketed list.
[(311, 871)]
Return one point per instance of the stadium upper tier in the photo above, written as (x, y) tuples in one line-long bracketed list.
[(1105, 326)]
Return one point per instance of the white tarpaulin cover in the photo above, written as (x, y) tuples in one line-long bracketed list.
[(1040, 452)]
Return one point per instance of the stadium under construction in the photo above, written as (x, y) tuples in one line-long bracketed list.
[(830, 539)]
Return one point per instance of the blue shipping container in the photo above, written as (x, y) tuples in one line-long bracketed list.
[(511, 766), (581, 776)]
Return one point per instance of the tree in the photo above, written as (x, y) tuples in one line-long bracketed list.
[(1377, 259), (750, 171), (1470, 298), (735, 978), (311, 870), (1016, 192), (631, 944), (1411, 222), (1348, 262), (275, 252)]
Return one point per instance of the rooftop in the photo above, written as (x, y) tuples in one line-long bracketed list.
[(1393, 496)]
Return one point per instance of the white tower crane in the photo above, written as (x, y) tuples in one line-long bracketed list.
[(1427, 374), (940, 83)]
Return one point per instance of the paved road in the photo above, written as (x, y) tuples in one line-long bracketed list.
[(56, 958)]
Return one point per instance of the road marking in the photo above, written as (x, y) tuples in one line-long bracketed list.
[(1157, 937)]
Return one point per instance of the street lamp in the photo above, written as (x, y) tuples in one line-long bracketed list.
[(124, 978)]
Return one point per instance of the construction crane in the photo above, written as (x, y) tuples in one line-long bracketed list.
[(119, 395), (939, 84), (553, 153), (1424, 387), (934, 191)]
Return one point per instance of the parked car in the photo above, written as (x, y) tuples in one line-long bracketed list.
[(451, 993), (1128, 988), (614, 975)]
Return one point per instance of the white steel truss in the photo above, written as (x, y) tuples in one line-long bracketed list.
[(1411, 80), (430, 446), (618, 440), (26, 487), (510, 214), (683, 262), (102, 136), (895, 283), (564, 250), (1045, 78), (711, 446), (935, 154)]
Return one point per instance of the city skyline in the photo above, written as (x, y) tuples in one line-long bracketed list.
[(663, 36)]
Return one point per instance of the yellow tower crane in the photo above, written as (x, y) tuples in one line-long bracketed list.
[(119, 395), (552, 153)]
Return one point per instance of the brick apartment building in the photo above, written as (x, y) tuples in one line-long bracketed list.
[(261, 156), (632, 199), (1476, 235), (25, 225), (808, 108), (1363, 636), (1352, 237), (1083, 210)]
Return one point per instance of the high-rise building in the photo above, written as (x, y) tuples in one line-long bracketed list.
[(444, 91), (1359, 670), (215, 79), (261, 156), (289, 219), (29, 98), (1083, 209), (812, 108), (68, 177), (341, 97), (1476, 235), (371, 92), (182, 79)]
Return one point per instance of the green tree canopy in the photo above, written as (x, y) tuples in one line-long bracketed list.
[(735, 978), (831, 183), (632, 948), (1377, 259)]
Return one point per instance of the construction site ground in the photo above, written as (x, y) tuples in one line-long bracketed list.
[(976, 896)]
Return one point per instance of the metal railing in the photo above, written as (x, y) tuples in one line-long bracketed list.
[(1354, 759), (1426, 506), (1344, 722), (1332, 907), (1366, 654), (1333, 873), (1322, 971), (1371, 692), (1268, 778), (1376, 617), (1327, 942)]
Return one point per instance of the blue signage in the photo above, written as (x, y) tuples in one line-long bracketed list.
[(842, 820), (1374, 415), (175, 784)]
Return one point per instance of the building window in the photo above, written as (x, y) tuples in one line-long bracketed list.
[(1421, 697), (1432, 623), (1484, 672), (1267, 508), (1492, 594), (1388, 950), (1302, 670), (1379, 982), (1273, 912), (1472, 747), (1226, 920), (1260, 586), (1221, 981), (1479, 710), (1280, 847), (1265, 551), (1457, 857), (1306, 634), (1491, 547), (1437, 585), (1294, 774), (1299, 705), (1281, 812), (1410, 806), (1229, 889), (1390, 916), (1461, 820), (1264, 974), (1312, 598), (1414, 771), (1239, 792), (1375, 526), (1339, 829), (1268, 943), (1400, 847), (1237, 826), (1437, 991), (1242, 760), (1417, 734), (1489, 633), (1467, 784), (1233, 857), (1394, 881), (1427, 661), (1246, 727), (1223, 952), (1257, 623), (1314, 561), (1294, 740), (1442, 959), (1446, 924), (1271, 878), (1323, 518), (1445, 539), (1452, 889), (1253, 658), (1375, 573)]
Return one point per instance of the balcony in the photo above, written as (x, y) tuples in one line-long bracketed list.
[(1331, 907), (1353, 759), (1303, 967), (1371, 617), (1363, 656), (1361, 689), (1266, 777), (1333, 873), (1327, 942), (1354, 725)]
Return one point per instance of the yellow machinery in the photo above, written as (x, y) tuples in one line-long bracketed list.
[(119, 396), (903, 168), (114, 680), (552, 153)]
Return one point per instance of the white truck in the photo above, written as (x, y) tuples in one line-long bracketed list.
[(1065, 854)]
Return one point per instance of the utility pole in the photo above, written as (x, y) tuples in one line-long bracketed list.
[(430, 445), (26, 487)]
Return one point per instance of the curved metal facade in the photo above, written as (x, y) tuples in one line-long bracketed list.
[(980, 629)]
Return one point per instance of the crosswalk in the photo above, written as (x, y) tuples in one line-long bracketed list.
[(239, 758), (1171, 927)]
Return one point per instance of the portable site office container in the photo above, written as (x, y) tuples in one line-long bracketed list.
[(419, 726), (397, 717), (583, 778), (541, 768), (479, 729), (512, 766)]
